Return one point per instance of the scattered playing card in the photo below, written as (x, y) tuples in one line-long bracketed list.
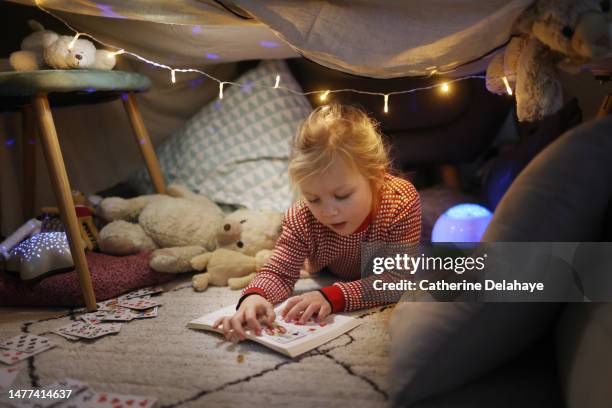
[(122, 314), (110, 304), (143, 292), (89, 331), (64, 335), (8, 356), (7, 376), (26, 342), (138, 303), (145, 314), (105, 399), (94, 317)]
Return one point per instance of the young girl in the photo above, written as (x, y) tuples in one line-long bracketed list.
[(339, 166)]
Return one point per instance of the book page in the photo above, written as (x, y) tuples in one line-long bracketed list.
[(287, 335)]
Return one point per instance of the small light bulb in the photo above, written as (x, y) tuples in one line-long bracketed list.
[(445, 88), (173, 76), (386, 104), (277, 81), (324, 96), (220, 90), (508, 89)]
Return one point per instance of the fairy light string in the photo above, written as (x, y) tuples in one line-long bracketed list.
[(323, 94)]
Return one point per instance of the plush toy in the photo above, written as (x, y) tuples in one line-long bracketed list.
[(46, 48), (245, 241), (183, 223), (552, 35), (181, 226), (225, 267)]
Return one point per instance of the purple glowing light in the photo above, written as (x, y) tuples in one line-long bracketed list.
[(196, 29), (269, 44), (194, 83), (10, 142), (212, 56), (107, 11)]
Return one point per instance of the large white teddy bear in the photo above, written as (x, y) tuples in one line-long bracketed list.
[(45, 48), (176, 227)]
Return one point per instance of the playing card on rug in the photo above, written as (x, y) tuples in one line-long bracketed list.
[(110, 304), (138, 303), (94, 317), (64, 335), (145, 314), (143, 292), (122, 315), (90, 331), (106, 399), (26, 342), (8, 356), (7, 376)]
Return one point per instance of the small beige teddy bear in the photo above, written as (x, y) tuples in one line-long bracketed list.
[(46, 48), (245, 241)]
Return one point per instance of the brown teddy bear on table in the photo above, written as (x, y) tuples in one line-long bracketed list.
[(551, 35)]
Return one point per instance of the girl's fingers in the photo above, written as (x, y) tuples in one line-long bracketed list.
[(290, 303), (236, 325), (226, 325), (252, 322), (310, 310), (270, 314), (295, 311), (323, 313), (218, 322)]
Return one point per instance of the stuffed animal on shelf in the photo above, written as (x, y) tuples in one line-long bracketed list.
[(245, 242), (551, 35), (46, 48)]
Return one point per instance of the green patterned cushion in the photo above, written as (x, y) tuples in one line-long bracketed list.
[(235, 150)]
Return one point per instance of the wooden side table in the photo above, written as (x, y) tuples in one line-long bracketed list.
[(30, 92)]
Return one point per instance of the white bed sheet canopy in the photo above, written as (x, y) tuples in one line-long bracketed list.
[(379, 39)]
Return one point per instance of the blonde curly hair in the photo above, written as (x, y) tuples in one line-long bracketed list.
[(336, 131)]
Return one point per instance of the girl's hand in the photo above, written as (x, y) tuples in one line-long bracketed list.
[(308, 304), (250, 311)]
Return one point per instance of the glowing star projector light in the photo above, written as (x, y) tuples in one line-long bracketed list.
[(461, 223), (41, 254)]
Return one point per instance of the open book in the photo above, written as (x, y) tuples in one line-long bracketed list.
[(287, 338)]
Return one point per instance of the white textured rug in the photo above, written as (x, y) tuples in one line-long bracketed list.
[(188, 368)]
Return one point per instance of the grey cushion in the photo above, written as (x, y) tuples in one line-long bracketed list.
[(562, 195)]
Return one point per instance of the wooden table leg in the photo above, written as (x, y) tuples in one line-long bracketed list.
[(144, 142), (28, 161), (61, 186)]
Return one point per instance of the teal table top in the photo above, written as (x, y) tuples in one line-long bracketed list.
[(67, 87), (29, 83)]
